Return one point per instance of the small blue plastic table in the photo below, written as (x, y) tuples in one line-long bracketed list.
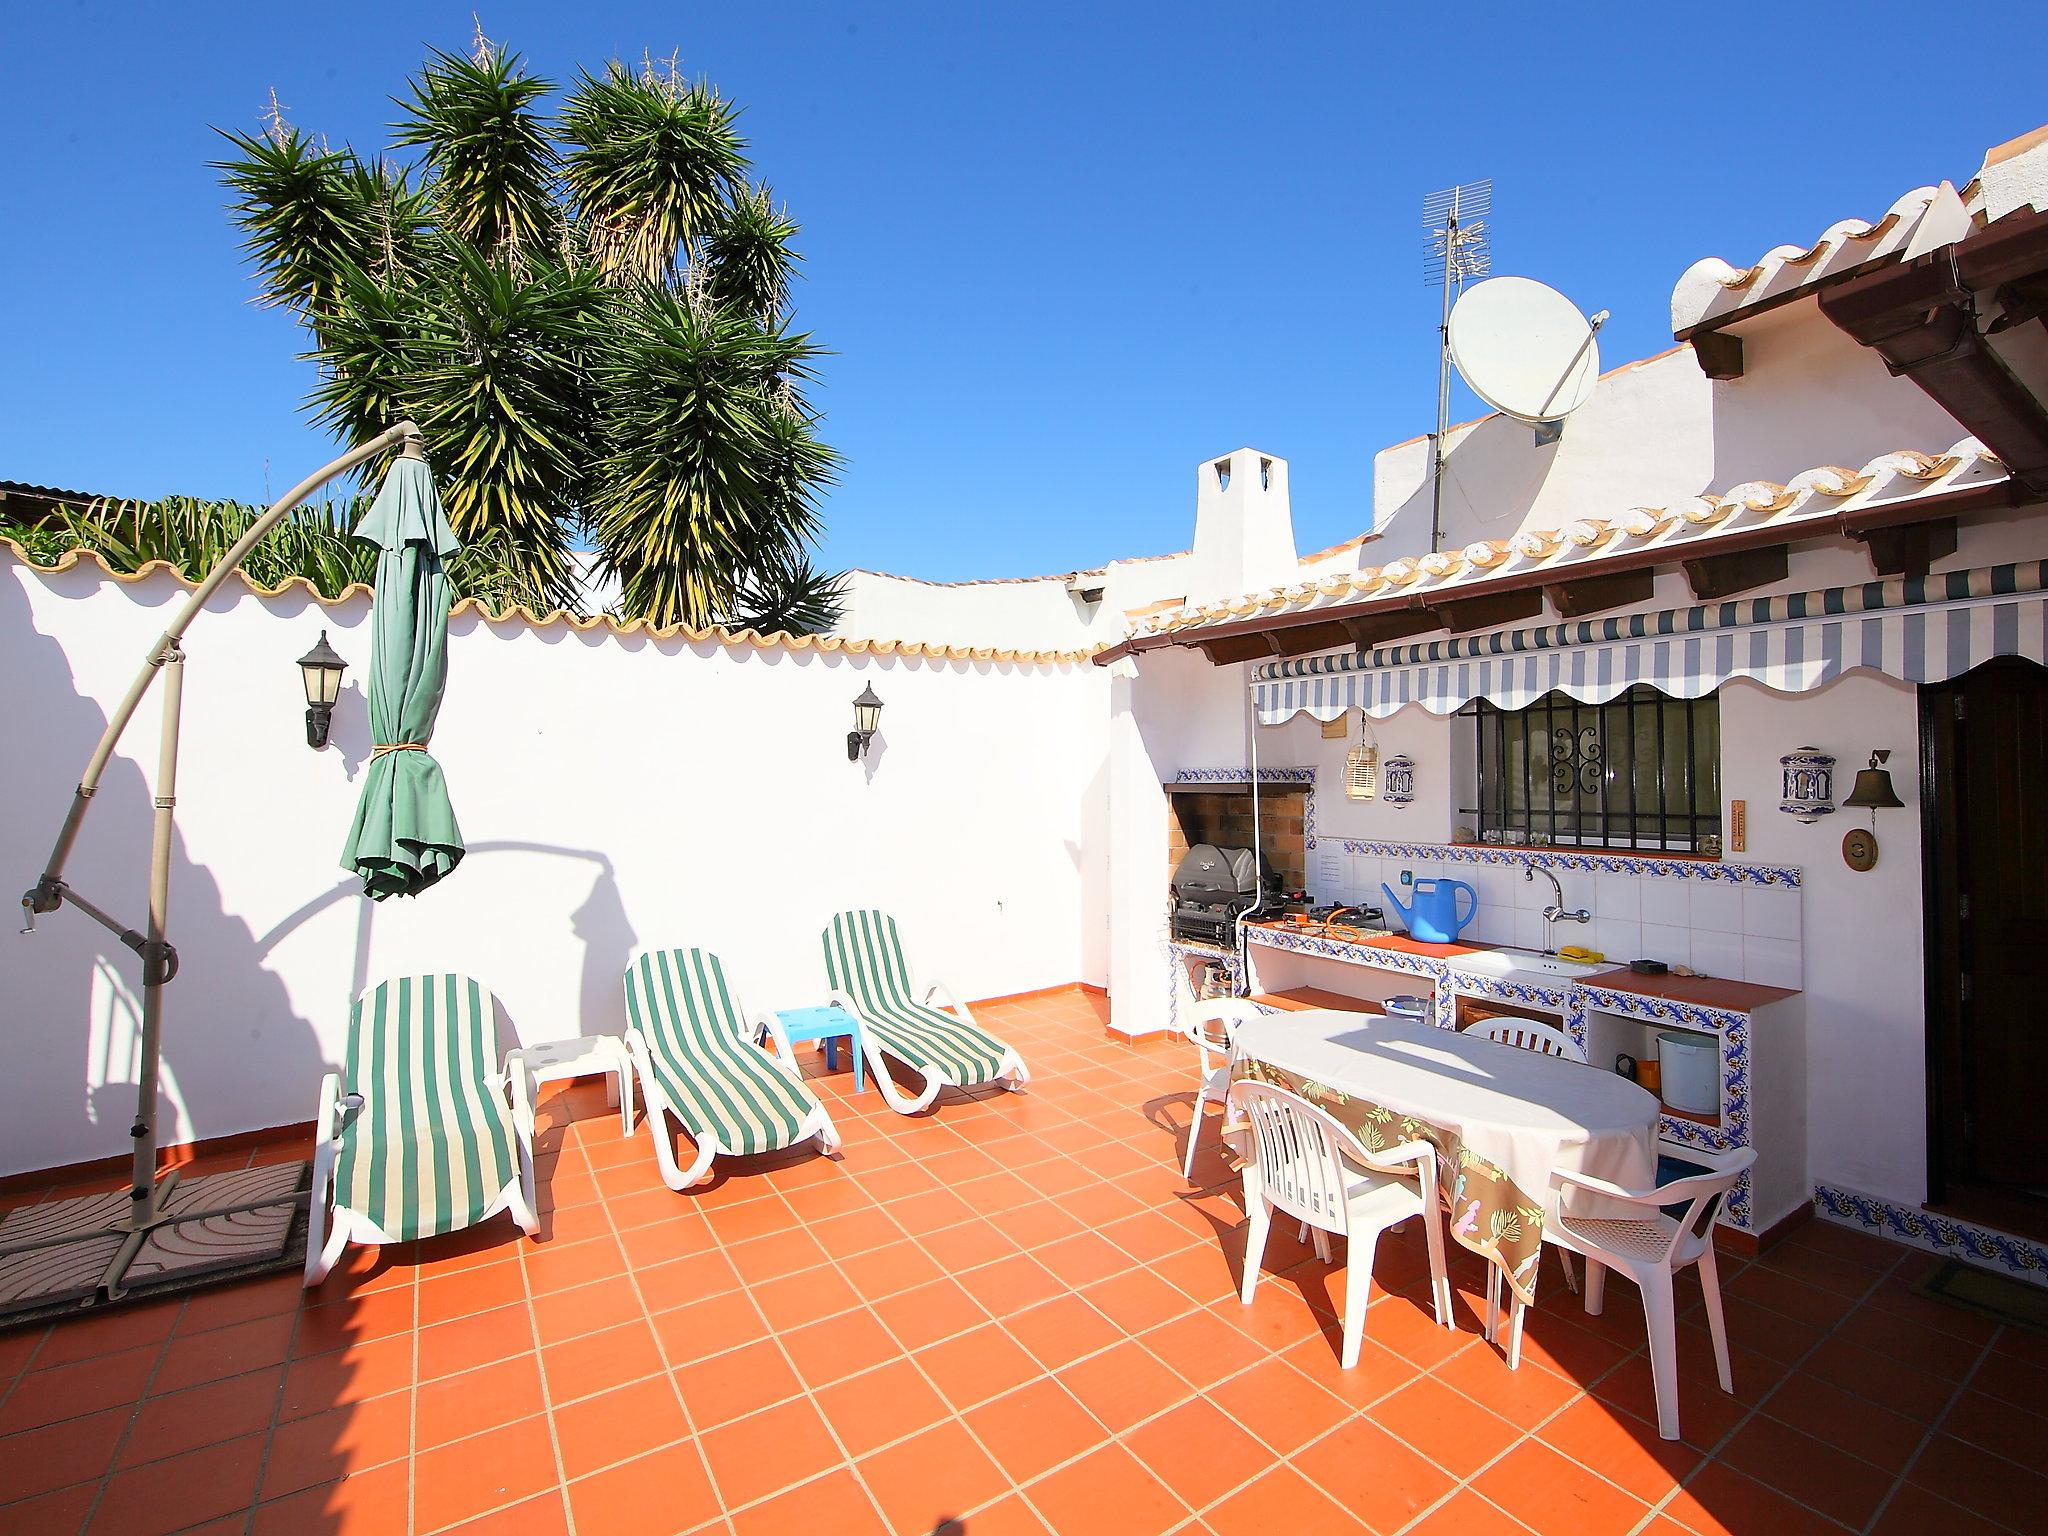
[(827, 1024)]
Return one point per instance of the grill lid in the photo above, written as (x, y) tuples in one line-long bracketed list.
[(1208, 872)]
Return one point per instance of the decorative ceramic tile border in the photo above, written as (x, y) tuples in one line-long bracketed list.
[(1733, 1030), (1339, 949), (1305, 776), (1562, 999), (1581, 860), (1244, 776), (1660, 1010), (2022, 1258)]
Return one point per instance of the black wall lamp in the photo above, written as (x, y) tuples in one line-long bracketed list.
[(321, 670), (867, 714)]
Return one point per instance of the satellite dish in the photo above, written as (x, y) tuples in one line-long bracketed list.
[(1525, 349)]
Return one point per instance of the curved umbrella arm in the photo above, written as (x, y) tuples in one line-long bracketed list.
[(50, 891)]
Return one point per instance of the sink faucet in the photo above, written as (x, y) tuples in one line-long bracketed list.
[(1555, 912)]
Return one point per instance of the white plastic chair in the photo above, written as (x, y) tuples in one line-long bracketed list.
[(1529, 1035), (1213, 1027), (1650, 1247), (1545, 1040), (1304, 1162)]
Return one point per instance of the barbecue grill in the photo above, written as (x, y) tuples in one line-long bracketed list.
[(1212, 887)]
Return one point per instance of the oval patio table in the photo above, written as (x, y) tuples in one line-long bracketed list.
[(1500, 1118)]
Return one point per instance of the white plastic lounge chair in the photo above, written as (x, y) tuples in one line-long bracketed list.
[(929, 1031), (415, 1137), (1213, 1026), (695, 1051), (1304, 1162)]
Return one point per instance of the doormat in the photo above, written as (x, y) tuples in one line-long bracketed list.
[(1990, 1295), (62, 1280)]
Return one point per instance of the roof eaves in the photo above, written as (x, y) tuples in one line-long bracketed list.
[(1819, 502)]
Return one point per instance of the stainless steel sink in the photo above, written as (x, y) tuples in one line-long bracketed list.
[(1525, 965)]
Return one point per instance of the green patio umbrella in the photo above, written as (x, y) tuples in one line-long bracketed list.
[(405, 837)]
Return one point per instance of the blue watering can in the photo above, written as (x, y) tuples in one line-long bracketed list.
[(1432, 915)]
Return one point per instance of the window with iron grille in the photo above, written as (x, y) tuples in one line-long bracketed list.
[(1640, 771)]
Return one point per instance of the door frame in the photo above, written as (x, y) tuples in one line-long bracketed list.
[(1950, 1184), (1942, 940)]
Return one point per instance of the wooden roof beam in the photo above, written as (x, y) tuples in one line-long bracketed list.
[(1596, 594), (1256, 646), (1717, 576), (1489, 610), (1719, 352), (1371, 629), (1909, 549), (1306, 639)]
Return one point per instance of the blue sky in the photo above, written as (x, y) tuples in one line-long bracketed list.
[(1062, 253)]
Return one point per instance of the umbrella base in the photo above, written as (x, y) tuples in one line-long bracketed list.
[(65, 1256)]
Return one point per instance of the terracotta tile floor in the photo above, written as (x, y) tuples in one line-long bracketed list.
[(1011, 1314)]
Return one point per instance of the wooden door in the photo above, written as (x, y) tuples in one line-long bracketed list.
[(1986, 739)]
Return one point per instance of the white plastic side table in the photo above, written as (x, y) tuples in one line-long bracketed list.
[(557, 1060)]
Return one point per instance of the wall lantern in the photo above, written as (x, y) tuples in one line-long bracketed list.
[(1809, 784), (321, 670), (1873, 791), (1362, 765), (867, 715)]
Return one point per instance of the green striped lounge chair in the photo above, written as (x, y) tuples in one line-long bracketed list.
[(929, 1031), (698, 1055), (415, 1136)]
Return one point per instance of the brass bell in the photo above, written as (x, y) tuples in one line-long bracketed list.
[(1873, 790)]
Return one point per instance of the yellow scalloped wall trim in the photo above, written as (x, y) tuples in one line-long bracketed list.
[(715, 634)]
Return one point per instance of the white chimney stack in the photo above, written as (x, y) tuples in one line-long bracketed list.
[(1244, 527)]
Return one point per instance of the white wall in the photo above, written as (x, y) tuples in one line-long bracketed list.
[(1659, 431), (1862, 943), (613, 792)]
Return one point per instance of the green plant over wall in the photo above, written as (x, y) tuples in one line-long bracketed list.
[(584, 300), (313, 543)]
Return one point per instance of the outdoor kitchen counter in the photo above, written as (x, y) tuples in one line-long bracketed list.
[(1399, 943), (1701, 991)]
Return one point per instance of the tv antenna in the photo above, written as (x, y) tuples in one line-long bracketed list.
[(1456, 248)]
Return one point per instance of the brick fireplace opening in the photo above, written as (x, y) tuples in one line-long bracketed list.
[(1222, 814)]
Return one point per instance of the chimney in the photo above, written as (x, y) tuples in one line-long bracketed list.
[(1244, 527)]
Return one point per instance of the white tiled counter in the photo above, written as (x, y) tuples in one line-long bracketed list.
[(1720, 917)]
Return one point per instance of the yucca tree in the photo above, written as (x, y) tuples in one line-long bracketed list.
[(589, 315)]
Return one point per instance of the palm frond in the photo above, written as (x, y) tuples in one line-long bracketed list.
[(651, 164), (489, 160), (302, 216), (594, 340), (784, 593), (705, 461), (749, 258)]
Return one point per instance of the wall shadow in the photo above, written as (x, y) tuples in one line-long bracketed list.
[(73, 988)]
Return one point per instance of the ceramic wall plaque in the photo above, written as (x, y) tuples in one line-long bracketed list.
[(1397, 779), (1809, 784)]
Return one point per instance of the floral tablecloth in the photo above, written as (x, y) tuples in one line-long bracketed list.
[(1500, 1118)]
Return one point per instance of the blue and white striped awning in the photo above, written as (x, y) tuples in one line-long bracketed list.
[(1921, 630)]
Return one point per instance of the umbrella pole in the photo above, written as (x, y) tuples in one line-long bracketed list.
[(147, 1194)]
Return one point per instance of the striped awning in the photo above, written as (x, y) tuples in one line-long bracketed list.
[(1921, 630)]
